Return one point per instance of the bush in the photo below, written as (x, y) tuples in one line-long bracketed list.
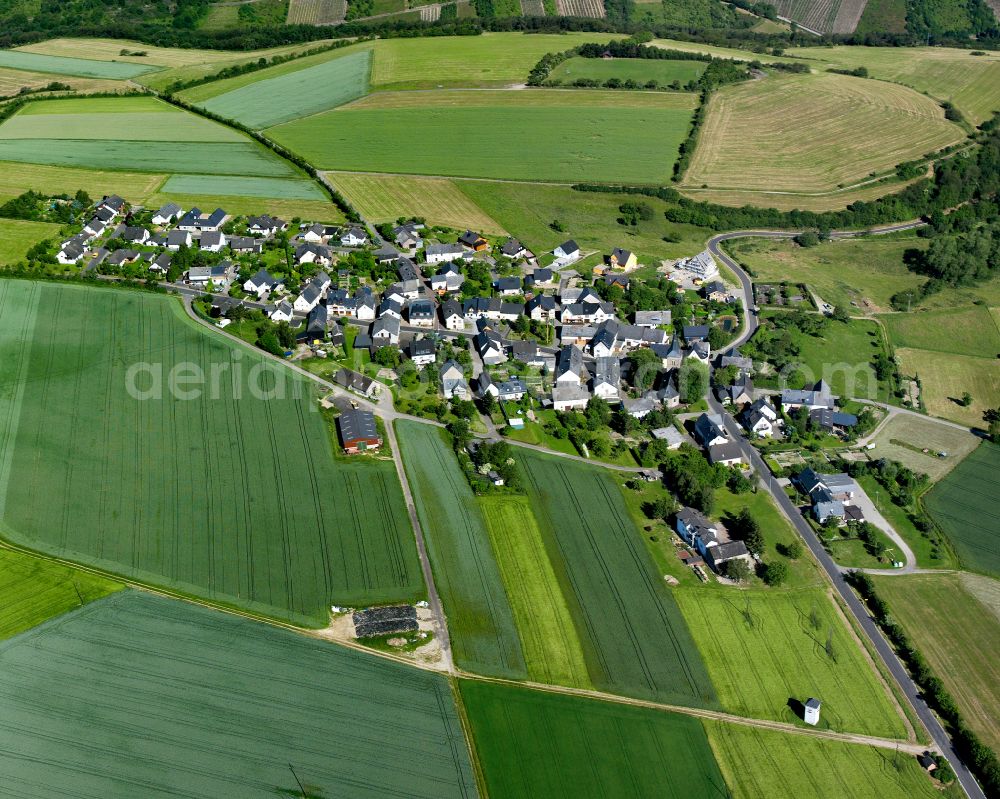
[(775, 573)]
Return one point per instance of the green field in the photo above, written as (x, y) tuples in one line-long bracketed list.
[(759, 763), (492, 59), (480, 619), (762, 650), (272, 100), (137, 695), (634, 637), (321, 211), (138, 127), (637, 69), (17, 237), (964, 504), (232, 495), (33, 590), (503, 134), (82, 67), (549, 639), (531, 743), (959, 637), (223, 185), (962, 331)]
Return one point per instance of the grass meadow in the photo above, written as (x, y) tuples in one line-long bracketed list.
[(227, 495), (481, 622), (945, 377), (634, 637), (138, 695), (960, 331), (959, 637), (641, 70), (17, 237), (766, 648), (531, 743), (964, 505), (810, 133), (487, 135)]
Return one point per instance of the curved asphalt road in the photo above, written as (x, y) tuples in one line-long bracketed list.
[(885, 651)]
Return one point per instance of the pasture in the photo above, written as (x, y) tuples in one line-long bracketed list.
[(637, 69), (551, 645), (229, 185), (62, 65), (905, 435), (972, 83), (224, 705), (228, 492), (480, 619), (764, 648), (17, 237), (483, 134), (271, 100), (961, 331), (634, 637), (386, 198), (944, 377), (809, 133), (532, 743), (964, 505), (33, 590), (959, 637), (492, 59), (777, 765)]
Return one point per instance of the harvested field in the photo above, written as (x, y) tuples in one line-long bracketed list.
[(385, 198), (537, 744), (905, 435), (810, 133), (581, 8), (763, 648), (791, 200), (959, 637), (81, 67), (480, 620), (964, 505), (17, 237), (316, 12), (222, 185), (944, 377), (634, 637), (244, 504), (136, 187), (137, 695), (13, 80)]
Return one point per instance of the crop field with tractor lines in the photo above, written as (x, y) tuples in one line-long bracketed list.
[(80, 67), (231, 495), (316, 12)]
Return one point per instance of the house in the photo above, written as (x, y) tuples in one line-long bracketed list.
[(404, 290), (421, 313), (310, 253), (473, 241), (569, 396), (696, 529), (481, 307), (728, 454), (178, 238), (386, 254), (265, 225), (261, 283), (443, 253), (622, 259), (71, 253), (120, 257), (622, 281), (653, 319), (453, 384), (135, 235), (422, 351), (385, 331), (509, 311), (760, 418), (702, 265), (490, 347), (693, 333), (739, 393), (218, 275), (818, 396), (508, 286), (113, 204), (309, 298), (94, 228), (212, 241), (671, 435), (576, 334), (358, 431), (447, 280), (729, 550), (513, 249), (529, 353), (406, 269), (354, 237), (390, 306), (567, 252), (317, 321), (280, 312), (245, 245), (340, 302), (668, 393), (716, 291), (586, 312), (407, 237), (710, 430), (161, 264), (607, 377), (364, 306), (315, 234), (700, 351), (104, 215), (540, 278), (194, 221), (833, 421), (570, 369), (832, 495), (167, 214), (452, 316), (356, 382), (741, 362), (671, 356), (542, 308)]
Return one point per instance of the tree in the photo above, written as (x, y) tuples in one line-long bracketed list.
[(597, 413), (737, 570), (744, 527), (840, 314), (792, 551), (692, 380), (992, 418), (387, 356), (807, 239), (775, 573), (966, 399)]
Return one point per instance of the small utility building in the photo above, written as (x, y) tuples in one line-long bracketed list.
[(358, 432), (812, 711)]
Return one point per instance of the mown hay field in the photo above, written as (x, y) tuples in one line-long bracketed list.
[(777, 765), (17, 237), (13, 80), (945, 377), (385, 198), (487, 134), (551, 645), (138, 695), (765, 648), (734, 54), (271, 100), (641, 70), (16, 178), (231, 493), (906, 435), (634, 636), (813, 133), (964, 505), (62, 65), (480, 620), (532, 743), (959, 637), (972, 83)]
